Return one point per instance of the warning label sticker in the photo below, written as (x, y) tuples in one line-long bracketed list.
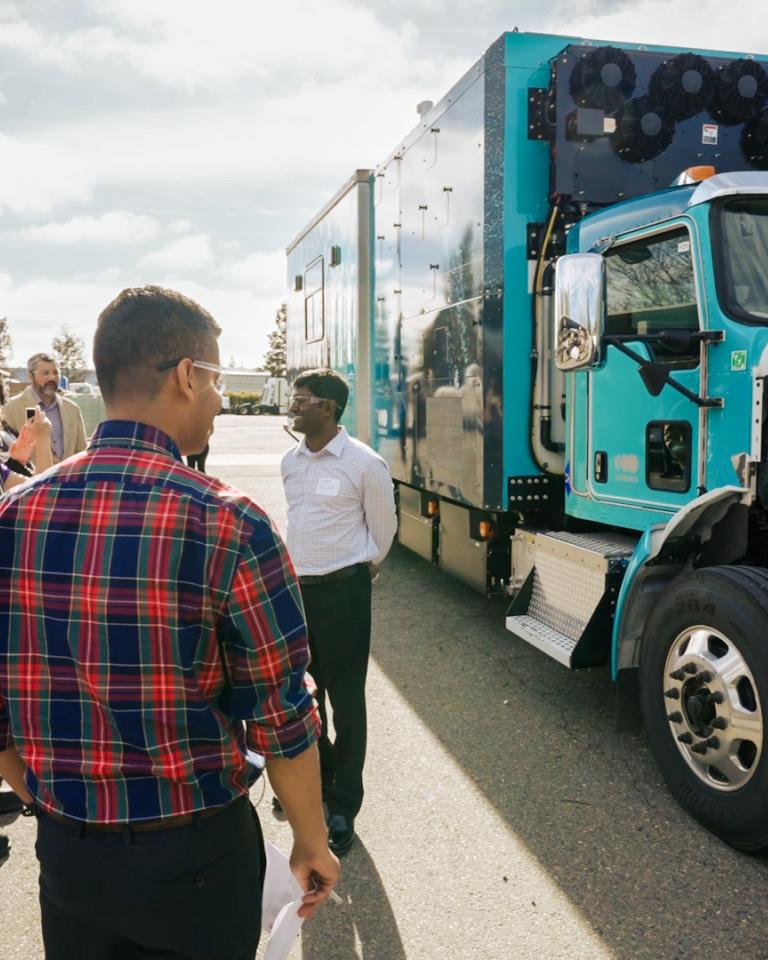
[(709, 133)]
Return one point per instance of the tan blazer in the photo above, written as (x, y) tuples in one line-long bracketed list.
[(73, 426)]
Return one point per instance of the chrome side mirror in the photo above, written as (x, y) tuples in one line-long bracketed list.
[(579, 310)]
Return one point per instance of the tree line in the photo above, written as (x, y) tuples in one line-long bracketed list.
[(66, 346), (69, 349)]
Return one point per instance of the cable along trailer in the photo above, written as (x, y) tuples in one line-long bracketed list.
[(551, 303)]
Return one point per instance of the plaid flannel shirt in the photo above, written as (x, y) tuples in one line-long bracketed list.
[(126, 581)]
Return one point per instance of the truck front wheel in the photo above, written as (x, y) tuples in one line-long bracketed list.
[(703, 684)]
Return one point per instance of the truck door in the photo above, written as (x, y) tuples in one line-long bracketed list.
[(643, 451)]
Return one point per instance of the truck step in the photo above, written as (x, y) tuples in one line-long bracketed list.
[(565, 605)]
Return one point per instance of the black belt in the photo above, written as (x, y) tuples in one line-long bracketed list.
[(343, 574), (140, 826)]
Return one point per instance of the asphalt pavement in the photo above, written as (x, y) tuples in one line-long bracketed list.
[(505, 817)]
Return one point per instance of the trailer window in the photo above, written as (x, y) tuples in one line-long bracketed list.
[(314, 318), (741, 259), (650, 287)]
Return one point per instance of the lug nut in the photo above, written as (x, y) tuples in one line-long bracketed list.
[(705, 676), (716, 697), (675, 717), (677, 675), (690, 668), (685, 738), (719, 723), (713, 742), (673, 694), (699, 748)]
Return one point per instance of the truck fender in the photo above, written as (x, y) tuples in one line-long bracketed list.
[(647, 575)]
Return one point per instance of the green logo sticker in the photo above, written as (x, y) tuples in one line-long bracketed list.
[(739, 360)]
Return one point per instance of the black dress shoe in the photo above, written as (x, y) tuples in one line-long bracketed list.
[(9, 803), (5, 847), (341, 833)]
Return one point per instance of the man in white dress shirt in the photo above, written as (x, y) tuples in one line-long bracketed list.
[(341, 522)]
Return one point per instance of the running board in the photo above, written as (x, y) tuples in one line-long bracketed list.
[(566, 603)]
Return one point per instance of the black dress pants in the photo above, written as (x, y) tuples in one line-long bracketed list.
[(185, 893), (339, 621)]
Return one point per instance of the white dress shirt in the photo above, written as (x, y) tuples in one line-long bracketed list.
[(341, 505)]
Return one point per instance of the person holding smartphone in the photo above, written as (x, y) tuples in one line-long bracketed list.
[(66, 418)]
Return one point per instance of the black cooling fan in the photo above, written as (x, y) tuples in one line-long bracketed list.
[(603, 79), (643, 130), (740, 92), (683, 84), (754, 141)]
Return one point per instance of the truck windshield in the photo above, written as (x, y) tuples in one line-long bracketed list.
[(742, 258)]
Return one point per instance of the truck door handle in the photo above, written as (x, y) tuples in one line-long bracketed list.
[(601, 466)]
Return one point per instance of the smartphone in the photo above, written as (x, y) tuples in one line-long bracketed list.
[(30, 411)]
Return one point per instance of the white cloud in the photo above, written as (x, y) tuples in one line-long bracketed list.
[(264, 272), (704, 24), (116, 226), (181, 226), (38, 173), (182, 256), (37, 309)]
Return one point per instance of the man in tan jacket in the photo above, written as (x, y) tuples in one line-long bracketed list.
[(68, 428)]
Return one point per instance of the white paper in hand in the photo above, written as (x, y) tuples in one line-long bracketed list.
[(280, 905)]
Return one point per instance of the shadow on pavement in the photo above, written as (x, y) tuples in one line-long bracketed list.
[(365, 917), (541, 744)]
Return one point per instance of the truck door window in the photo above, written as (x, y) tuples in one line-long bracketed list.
[(742, 258), (668, 455), (314, 320), (650, 287)]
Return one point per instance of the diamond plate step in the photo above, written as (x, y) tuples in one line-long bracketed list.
[(565, 607), (549, 641)]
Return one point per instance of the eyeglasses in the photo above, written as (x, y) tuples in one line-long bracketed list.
[(218, 383), (300, 401)]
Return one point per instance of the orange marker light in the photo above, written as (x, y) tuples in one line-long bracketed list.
[(486, 530), (432, 508), (694, 175)]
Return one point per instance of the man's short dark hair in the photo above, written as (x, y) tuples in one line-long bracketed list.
[(145, 326), (326, 384)]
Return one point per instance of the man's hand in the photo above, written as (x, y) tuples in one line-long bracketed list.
[(296, 782), (317, 872), (373, 570), (35, 435)]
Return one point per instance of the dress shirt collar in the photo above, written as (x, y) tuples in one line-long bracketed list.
[(137, 436), (334, 447)]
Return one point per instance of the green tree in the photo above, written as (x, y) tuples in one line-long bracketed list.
[(69, 350), (6, 344), (275, 359)]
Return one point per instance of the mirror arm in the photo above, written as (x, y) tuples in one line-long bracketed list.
[(617, 341), (695, 336)]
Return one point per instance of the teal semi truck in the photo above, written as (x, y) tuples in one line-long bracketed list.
[(551, 304)]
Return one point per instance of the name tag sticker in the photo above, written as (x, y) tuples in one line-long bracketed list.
[(327, 487)]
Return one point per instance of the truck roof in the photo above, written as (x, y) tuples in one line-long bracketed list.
[(663, 205)]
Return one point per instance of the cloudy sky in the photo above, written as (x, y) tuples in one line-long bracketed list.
[(185, 142)]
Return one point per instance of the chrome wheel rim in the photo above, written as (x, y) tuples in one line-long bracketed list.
[(713, 708)]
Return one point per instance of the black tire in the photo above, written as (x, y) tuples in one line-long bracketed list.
[(256, 411), (725, 787)]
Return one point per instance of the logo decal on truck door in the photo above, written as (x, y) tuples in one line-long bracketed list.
[(738, 360)]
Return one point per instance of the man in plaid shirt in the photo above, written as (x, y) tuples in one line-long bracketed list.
[(151, 629)]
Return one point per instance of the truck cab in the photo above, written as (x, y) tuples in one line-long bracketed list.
[(551, 303)]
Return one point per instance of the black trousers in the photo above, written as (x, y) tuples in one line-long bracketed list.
[(339, 621), (186, 893), (197, 460)]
